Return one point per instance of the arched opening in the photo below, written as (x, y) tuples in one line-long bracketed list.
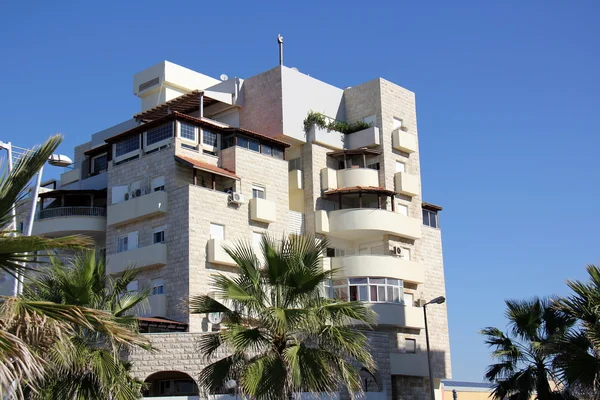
[(170, 383)]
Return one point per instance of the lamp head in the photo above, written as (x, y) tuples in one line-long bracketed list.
[(437, 300), (59, 160)]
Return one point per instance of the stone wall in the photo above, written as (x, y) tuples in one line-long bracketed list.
[(263, 109)]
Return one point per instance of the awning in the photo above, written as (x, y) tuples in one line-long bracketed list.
[(213, 169), (55, 194), (361, 189), (432, 207)]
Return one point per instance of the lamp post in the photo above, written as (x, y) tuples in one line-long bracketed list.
[(437, 300), (232, 385), (57, 160)]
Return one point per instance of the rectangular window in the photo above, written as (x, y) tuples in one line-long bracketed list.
[(397, 123), (227, 141), (254, 145), (406, 253), (277, 153), (21, 227), (127, 145), (158, 134), (400, 166), (132, 287), (373, 166), (258, 192), (99, 163), (209, 138), (158, 235), (187, 131), (217, 231), (267, 150), (294, 164), (410, 345), (157, 285), (122, 243), (430, 218), (409, 299), (242, 142), (257, 239), (158, 184)]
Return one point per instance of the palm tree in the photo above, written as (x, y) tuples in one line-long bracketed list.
[(29, 330), (525, 354), (283, 335), (89, 367), (578, 358)]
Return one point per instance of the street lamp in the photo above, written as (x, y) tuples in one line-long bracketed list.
[(57, 160), (232, 385), (437, 300)]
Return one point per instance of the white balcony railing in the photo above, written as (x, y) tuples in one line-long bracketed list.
[(72, 212)]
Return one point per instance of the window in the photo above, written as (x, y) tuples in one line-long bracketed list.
[(21, 227), (254, 145), (217, 231), (132, 287), (410, 345), (397, 123), (127, 242), (187, 131), (258, 192), (373, 166), (127, 146), (400, 166), (158, 134), (158, 184), (278, 153), (372, 290), (209, 138), (402, 209), (158, 286), (328, 289), (267, 150), (242, 142), (158, 235), (371, 120), (406, 253), (430, 218), (227, 141), (99, 163), (257, 239)]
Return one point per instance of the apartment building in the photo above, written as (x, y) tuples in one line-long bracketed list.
[(207, 162)]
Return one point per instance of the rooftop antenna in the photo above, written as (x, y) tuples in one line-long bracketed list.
[(280, 41)]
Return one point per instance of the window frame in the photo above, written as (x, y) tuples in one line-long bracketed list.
[(207, 146), (414, 345), (131, 153), (159, 188), (125, 240), (431, 213), (259, 189), (210, 231), (364, 285), (161, 142), (92, 165), (180, 132), (157, 230), (154, 284)]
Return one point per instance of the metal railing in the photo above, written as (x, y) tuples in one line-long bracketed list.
[(72, 212)]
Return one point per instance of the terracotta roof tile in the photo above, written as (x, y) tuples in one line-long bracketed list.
[(206, 167)]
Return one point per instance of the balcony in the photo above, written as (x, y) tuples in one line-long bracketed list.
[(351, 177), (217, 254), (379, 266), (409, 364), (406, 184), (142, 207), (154, 255), (262, 210), (398, 315), (366, 138), (63, 221), (295, 179), (333, 139), (404, 141), (359, 223)]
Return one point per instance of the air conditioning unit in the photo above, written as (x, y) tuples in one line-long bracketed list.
[(236, 198), (127, 196), (421, 302), (138, 192)]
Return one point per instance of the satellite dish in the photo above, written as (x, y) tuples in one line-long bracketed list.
[(215, 317), (224, 77), (294, 69)]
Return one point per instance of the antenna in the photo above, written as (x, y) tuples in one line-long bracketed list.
[(280, 41), (224, 77)]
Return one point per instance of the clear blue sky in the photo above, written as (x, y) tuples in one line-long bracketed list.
[(507, 102)]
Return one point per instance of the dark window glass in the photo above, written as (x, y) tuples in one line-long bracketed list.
[(242, 142), (330, 252), (277, 153), (227, 141), (127, 145), (209, 138), (157, 134), (100, 163), (187, 131), (254, 145), (268, 150), (430, 218)]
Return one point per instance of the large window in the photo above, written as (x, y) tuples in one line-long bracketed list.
[(209, 138), (371, 290), (158, 134), (430, 218), (99, 163), (127, 146), (187, 131)]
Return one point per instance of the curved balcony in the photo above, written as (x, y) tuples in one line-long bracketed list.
[(360, 223), (357, 177), (379, 266), (63, 221)]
